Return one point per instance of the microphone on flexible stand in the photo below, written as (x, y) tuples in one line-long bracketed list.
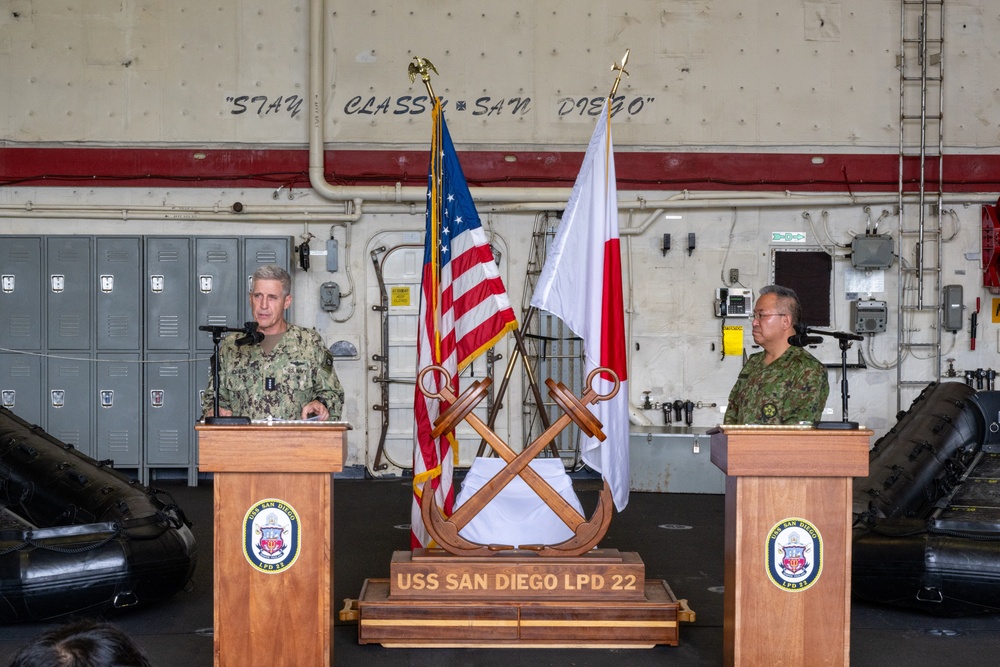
[(801, 338), (250, 337)]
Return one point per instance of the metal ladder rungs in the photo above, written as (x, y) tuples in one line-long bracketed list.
[(920, 64)]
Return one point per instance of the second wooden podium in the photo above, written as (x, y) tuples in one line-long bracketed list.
[(788, 542), (273, 539)]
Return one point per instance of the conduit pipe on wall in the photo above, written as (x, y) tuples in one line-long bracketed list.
[(349, 213), (324, 214)]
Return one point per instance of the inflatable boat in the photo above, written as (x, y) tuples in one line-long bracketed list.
[(927, 517), (77, 536)]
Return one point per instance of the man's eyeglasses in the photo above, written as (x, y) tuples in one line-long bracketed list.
[(759, 315)]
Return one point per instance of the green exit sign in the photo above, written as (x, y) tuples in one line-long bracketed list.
[(788, 237)]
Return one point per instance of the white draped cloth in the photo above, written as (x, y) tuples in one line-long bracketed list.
[(517, 515)]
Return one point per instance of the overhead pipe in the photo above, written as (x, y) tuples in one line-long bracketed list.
[(238, 212), (399, 194), (323, 214)]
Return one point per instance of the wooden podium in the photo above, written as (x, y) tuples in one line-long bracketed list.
[(273, 539), (788, 542)]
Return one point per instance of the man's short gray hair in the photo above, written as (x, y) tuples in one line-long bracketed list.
[(274, 272), (787, 298)]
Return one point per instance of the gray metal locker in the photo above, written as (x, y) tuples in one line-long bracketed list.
[(68, 300), (21, 292), (69, 404), (168, 288), (218, 292), (119, 411), (118, 288), (21, 386), (168, 404)]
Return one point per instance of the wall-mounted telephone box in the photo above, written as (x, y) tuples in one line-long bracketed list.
[(733, 302)]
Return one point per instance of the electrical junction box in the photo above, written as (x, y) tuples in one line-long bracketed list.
[(872, 251), (329, 296), (331, 255), (869, 316), (952, 303)]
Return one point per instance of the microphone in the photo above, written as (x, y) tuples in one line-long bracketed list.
[(802, 337), (803, 329), (249, 330), (801, 340), (251, 337)]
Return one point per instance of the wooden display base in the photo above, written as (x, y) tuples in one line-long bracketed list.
[(513, 624), (599, 600)]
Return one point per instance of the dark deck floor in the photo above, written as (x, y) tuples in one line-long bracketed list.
[(678, 536)]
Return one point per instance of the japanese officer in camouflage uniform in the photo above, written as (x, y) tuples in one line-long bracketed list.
[(783, 384), (289, 375)]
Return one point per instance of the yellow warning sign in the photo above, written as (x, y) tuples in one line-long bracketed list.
[(399, 296), (996, 309), (732, 340)]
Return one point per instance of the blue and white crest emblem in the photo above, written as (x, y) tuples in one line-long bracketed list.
[(271, 536), (271, 543), (794, 556)]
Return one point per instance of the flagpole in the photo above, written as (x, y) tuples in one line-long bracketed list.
[(618, 79), (518, 338), (423, 67)]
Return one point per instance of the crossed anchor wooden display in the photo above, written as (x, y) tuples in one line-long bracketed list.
[(445, 531)]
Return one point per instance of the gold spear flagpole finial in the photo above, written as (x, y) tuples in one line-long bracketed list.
[(620, 68), (423, 67)]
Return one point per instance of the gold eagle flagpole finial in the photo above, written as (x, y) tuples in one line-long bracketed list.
[(620, 68), (423, 67)]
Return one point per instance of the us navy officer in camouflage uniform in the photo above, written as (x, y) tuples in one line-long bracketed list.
[(783, 384), (289, 375)]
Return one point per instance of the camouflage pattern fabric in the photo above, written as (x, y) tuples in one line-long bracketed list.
[(255, 384), (791, 389)]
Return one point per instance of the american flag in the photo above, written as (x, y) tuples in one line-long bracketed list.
[(464, 311)]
